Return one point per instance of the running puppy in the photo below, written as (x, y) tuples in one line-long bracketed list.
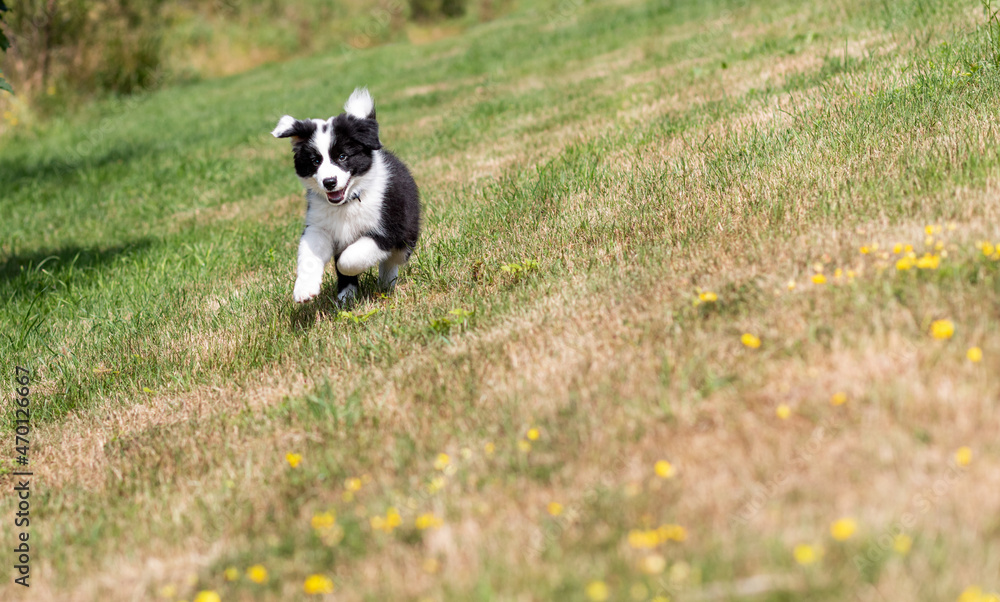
[(363, 205)]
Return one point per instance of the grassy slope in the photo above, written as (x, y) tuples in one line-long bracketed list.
[(639, 153)]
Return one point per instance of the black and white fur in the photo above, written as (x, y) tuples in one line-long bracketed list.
[(363, 205)]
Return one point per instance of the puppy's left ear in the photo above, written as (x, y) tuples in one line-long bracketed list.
[(289, 126), (366, 132)]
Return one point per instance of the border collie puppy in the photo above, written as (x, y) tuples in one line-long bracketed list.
[(363, 205)]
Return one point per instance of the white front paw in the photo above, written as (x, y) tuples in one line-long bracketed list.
[(305, 289)]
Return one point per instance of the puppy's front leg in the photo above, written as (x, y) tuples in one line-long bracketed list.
[(360, 255), (315, 249)]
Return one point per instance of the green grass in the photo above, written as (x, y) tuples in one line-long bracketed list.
[(584, 175)]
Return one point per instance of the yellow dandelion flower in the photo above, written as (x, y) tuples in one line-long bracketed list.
[(323, 520), (533, 434), (963, 456), (708, 297), (638, 592), (819, 279), (436, 484), (939, 245), (865, 250), (679, 572), (231, 573), (664, 469), (293, 459), (850, 274), (942, 329), (791, 285), (928, 230), (524, 446), (318, 584), (428, 521), (643, 539), (750, 340), (904, 264), (975, 354), (431, 565), (897, 248), (987, 249), (352, 484), (442, 461), (928, 241), (902, 544), (783, 412), (843, 529), (838, 399), (597, 591), (652, 564), (929, 262), (555, 508), (805, 554), (257, 573), (392, 519), (489, 448), (838, 273), (973, 593), (207, 596), (671, 533), (908, 249)]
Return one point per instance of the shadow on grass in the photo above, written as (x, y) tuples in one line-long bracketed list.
[(26, 274), (66, 169), (325, 306)]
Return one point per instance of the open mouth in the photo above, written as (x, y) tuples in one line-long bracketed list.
[(337, 196)]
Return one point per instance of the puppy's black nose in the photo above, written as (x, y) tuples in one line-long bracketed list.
[(330, 184)]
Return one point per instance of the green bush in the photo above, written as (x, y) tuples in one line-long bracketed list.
[(89, 46)]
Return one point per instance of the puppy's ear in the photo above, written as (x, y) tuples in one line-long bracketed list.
[(289, 126), (366, 133), (360, 104)]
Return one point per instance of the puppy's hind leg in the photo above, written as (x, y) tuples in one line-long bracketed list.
[(356, 258), (388, 270)]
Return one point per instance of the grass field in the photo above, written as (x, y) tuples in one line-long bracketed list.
[(706, 308)]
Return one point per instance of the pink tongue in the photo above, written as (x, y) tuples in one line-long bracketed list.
[(335, 196)]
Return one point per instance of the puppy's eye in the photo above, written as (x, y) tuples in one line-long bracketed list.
[(342, 157), (317, 160)]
